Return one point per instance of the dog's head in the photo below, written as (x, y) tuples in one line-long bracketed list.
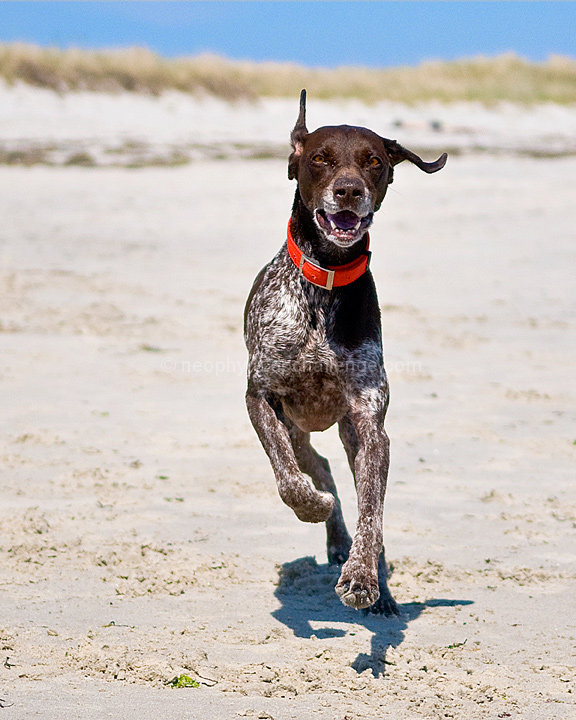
[(343, 173)]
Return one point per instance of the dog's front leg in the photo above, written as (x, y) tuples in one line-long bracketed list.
[(358, 583), (296, 490)]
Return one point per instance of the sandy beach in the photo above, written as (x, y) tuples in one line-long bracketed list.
[(132, 130), (141, 534)]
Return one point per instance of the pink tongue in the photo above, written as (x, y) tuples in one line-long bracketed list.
[(344, 220)]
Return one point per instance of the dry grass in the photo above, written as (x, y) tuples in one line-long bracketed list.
[(132, 69), (488, 80)]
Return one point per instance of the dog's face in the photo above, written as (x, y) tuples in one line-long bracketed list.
[(343, 173)]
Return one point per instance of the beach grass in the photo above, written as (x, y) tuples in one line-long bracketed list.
[(488, 80)]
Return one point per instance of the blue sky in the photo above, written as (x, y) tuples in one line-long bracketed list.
[(311, 33)]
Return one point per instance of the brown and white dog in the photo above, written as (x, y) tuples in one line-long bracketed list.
[(312, 328)]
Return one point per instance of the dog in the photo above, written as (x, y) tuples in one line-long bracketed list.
[(313, 333)]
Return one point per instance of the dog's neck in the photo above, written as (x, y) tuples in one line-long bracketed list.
[(313, 243)]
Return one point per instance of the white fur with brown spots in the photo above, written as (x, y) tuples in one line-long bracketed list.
[(315, 355)]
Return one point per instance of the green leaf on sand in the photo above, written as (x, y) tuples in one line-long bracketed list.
[(183, 681)]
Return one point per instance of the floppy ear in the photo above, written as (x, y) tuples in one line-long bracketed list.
[(397, 154), (297, 138)]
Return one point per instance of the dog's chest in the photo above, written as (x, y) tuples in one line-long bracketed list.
[(309, 378), (299, 338), (298, 350), (290, 331)]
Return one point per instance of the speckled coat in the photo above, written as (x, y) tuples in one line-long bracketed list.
[(315, 355)]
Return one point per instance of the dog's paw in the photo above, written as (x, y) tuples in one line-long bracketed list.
[(317, 509), (385, 605), (357, 589)]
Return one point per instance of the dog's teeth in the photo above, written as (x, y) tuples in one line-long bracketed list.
[(357, 225)]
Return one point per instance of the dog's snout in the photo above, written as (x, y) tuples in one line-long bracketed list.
[(348, 188)]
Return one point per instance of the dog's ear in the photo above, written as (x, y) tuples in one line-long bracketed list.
[(297, 138), (397, 154)]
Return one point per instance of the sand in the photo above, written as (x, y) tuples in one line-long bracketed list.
[(130, 130), (141, 534)]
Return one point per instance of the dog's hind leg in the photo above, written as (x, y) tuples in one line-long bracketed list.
[(385, 605), (338, 540), (296, 490)]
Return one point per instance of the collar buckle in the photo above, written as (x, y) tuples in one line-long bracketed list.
[(329, 273)]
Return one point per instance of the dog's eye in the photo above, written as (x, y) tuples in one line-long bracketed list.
[(319, 159), (374, 162)]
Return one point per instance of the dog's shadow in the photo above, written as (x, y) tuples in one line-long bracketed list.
[(306, 591)]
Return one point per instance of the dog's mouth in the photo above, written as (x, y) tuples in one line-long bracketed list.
[(344, 227)]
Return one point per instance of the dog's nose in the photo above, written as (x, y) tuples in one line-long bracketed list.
[(348, 188)]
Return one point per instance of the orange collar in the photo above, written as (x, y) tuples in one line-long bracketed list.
[(332, 276)]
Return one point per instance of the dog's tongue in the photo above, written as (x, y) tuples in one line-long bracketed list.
[(344, 220)]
